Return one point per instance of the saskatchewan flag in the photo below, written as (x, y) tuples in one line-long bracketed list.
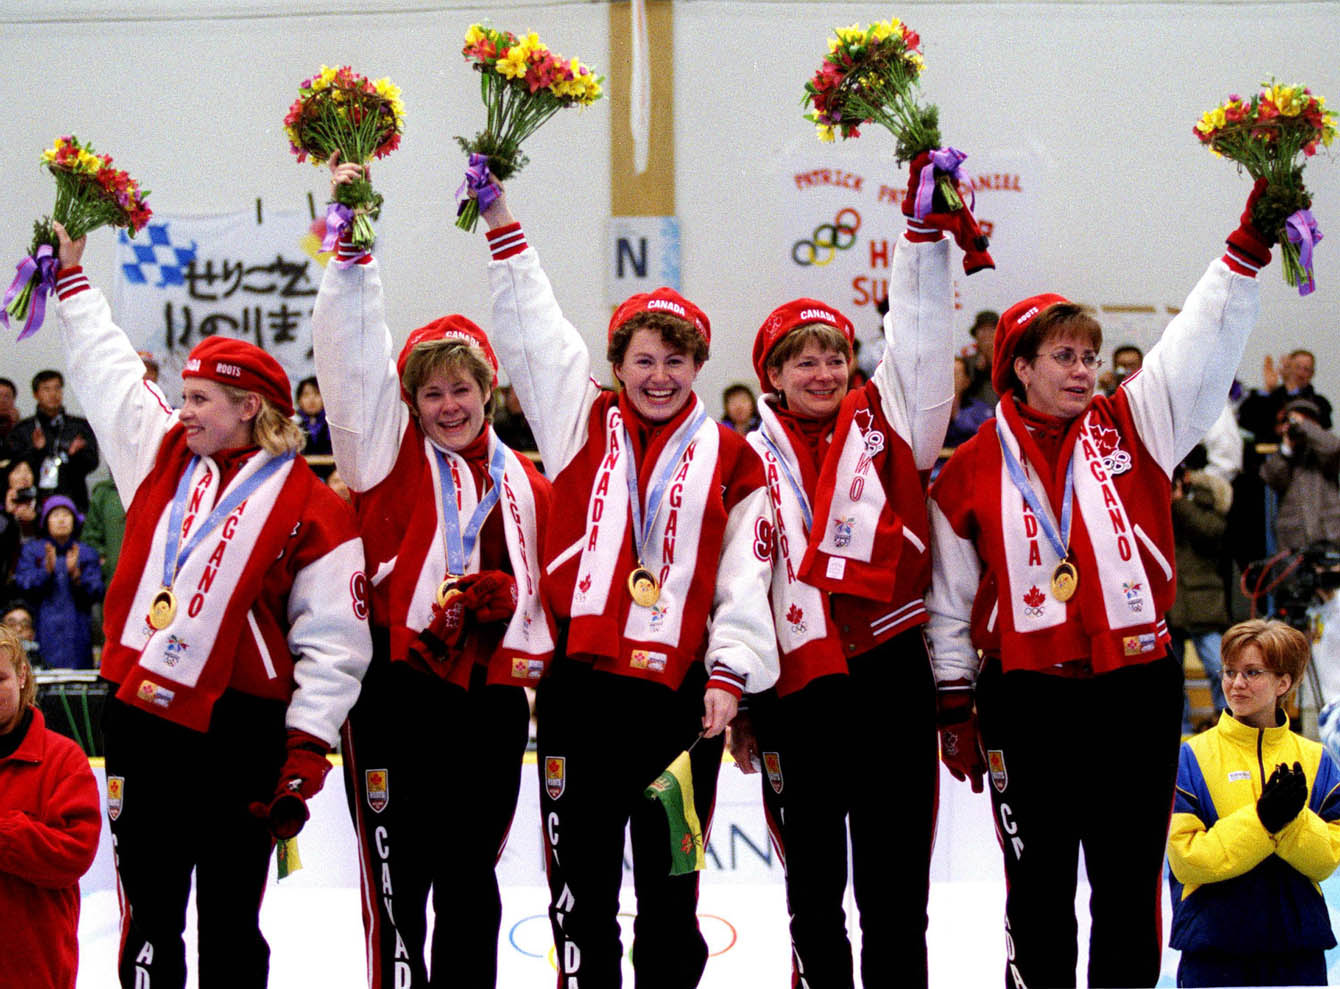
[(286, 857), (674, 789)]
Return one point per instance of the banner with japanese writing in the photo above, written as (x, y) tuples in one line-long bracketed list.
[(254, 278)]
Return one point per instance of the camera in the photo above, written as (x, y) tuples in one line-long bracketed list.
[(1295, 580), (23, 495)]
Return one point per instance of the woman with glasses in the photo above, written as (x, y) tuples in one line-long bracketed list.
[(1052, 546), (1255, 828)]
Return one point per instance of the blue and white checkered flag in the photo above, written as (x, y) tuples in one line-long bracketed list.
[(159, 255)]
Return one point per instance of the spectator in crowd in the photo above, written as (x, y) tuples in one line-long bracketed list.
[(1126, 360), (1260, 411), (63, 579), (18, 518), (312, 419), (979, 354), (1254, 828), (9, 410), (740, 408), (18, 618), (150, 365), (968, 412), (1199, 615), (336, 483), (105, 526), (509, 422), (50, 821), (60, 448), (1305, 473)]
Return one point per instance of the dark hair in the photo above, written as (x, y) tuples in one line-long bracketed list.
[(678, 334), (987, 317), (1058, 319), (1303, 351), (10, 385), (303, 384), (1126, 347), (47, 375)]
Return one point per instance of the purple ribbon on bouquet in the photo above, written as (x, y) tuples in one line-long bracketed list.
[(338, 219), (1302, 230), (43, 264), (480, 182), (946, 160)]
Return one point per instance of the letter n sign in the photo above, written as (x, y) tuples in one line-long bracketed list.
[(643, 255)]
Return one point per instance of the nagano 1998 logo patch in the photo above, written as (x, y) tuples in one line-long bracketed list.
[(378, 782), (772, 763), (995, 761), (555, 775), (116, 791)]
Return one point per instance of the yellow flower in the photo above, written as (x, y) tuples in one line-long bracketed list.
[(1288, 100), (826, 133), (917, 62), (513, 64), (853, 35), (475, 35), (883, 29)]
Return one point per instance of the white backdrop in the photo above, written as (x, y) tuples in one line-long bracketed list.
[(1101, 95)]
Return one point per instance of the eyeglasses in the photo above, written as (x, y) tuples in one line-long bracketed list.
[(1066, 357), (1251, 676)]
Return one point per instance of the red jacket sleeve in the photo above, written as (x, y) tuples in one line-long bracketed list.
[(57, 850)]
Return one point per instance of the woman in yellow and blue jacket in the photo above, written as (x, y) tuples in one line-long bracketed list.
[(1255, 828)]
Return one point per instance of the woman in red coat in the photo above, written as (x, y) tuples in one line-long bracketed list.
[(49, 827)]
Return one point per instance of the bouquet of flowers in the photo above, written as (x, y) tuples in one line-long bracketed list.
[(868, 76), (522, 84), (1271, 135), (90, 193), (338, 110)]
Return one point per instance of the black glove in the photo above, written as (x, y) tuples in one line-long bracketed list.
[(1282, 798)]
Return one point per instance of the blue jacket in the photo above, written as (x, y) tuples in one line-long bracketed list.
[(64, 608), (1235, 886)]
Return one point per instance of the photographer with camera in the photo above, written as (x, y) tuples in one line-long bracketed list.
[(1305, 474), (18, 517)]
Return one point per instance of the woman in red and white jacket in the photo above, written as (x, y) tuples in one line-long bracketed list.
[(1052, 546), (659, 570), (852, 562), (49, 829), (236, 632), (453, 523)]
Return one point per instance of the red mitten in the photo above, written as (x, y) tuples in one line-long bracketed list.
[(1248, 248), (490, 595), (959, 224), (438, 646), (960, 748), (300, 779)]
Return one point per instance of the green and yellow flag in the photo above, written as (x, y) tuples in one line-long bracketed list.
[(674, 789)]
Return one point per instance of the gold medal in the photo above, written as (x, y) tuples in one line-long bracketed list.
[(644, 587), (447, 589), (163, 609), (1065, 579)]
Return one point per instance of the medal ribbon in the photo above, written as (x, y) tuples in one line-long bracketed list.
[(791, 478), (1061, 542), (461, 545), (172, 559), (641, 532)]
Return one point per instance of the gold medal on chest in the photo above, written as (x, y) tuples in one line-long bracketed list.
[(644, 587), (1065, 580), (162, 609), (447, 589)]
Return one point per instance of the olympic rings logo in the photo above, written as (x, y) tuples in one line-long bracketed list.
[(536, 947), (827, 240)]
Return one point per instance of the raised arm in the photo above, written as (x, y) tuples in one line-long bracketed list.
[(355, 363), (1181, 389), (543, 354), (129, 414), (916, 376)]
